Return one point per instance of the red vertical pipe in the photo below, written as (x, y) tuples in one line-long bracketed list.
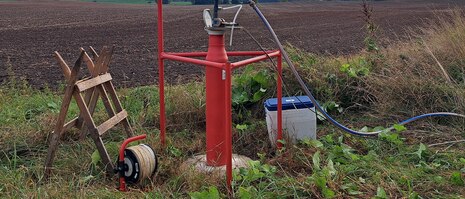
[(228, 130), (161, 73), (215, 105), (280, 103)]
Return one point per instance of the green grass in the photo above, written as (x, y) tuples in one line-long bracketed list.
[(336, 164)]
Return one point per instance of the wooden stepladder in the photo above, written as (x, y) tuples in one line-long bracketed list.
[(99, 85)]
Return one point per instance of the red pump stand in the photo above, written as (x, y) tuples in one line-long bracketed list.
[(218, 90), (215, 105)]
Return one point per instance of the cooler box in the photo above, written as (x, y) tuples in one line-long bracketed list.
[(299, 118)]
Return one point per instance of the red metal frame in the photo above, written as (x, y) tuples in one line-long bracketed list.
[(186, 57), (280, 103), (161, 73), (228, 130)]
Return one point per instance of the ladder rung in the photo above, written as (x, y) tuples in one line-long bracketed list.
[(70, 124), (104, 127), (90, 83)]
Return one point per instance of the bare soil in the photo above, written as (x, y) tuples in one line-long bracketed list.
[(31, 31)]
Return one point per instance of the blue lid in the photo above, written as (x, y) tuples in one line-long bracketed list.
[(294, 102)]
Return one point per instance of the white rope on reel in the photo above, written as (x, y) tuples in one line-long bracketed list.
[(141, 162)]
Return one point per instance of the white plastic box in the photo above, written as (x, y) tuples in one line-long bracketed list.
[(299, 118)]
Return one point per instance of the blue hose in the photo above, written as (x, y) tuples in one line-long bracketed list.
[(315, 102)]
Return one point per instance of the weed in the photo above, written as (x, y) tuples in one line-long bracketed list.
[(212, 193), (249, 88), (370, 26)]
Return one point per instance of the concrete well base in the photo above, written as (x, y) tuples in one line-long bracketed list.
[(198, 165)]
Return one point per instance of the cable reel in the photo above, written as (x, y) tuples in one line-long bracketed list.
[(140, 162), (136, 163)]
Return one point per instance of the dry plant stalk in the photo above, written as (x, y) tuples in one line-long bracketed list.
[(437, 61)]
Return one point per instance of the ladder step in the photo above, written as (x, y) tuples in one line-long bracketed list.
[(70, 124), (90, 83), (104, 127)]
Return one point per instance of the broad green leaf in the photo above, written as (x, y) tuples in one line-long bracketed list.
[(380, 193), (242, 127), (95, 158), (328, 193), (344, 68), (174, 151), (420, 150), (456, 178), (352, 72), (462, 160), (364, 129), (245, 193), (52, 106), (399, 128), (340, 139), (212, 193), (320, 182), (261, 79), (331, 169), (257, 96), (439, 180), (379, 128), (312, 143), (353, 192)]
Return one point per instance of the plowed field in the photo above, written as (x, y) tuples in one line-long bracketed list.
[(31, 31)]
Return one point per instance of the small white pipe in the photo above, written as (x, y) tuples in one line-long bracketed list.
[(234, 20), (231, 7)]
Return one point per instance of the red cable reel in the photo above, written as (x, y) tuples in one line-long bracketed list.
[(135, 163)]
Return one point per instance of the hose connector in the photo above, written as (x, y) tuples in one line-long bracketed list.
[(252, 3)]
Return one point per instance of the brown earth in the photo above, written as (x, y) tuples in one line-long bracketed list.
[(31, 31)]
